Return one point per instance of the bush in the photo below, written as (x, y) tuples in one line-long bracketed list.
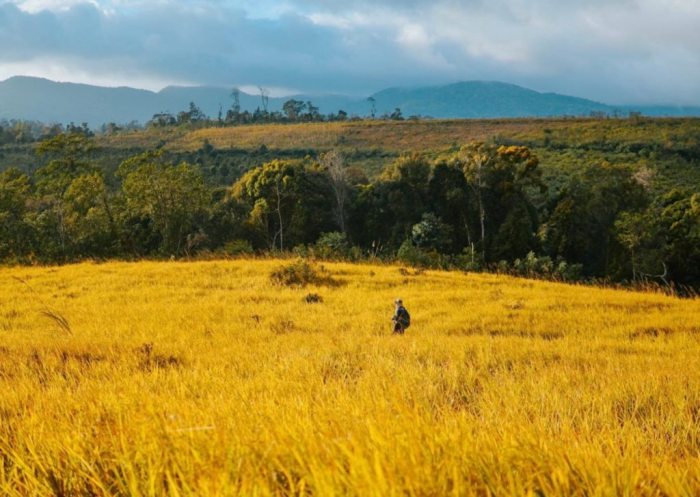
[(238, 247), (533, 266), (412, 255), (313, 298), (302, 251), (332, 245), (470, 260), (431, 233), (301, 273)]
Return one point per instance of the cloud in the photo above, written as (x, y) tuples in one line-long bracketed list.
[(618, 51)]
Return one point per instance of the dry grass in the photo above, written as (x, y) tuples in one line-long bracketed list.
[(389, 136), (426, 135), (199, 379)]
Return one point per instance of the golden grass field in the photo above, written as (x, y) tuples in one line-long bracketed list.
[(205, 379), (420, 136)]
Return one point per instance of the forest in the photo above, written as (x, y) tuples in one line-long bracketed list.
[(596, 199)]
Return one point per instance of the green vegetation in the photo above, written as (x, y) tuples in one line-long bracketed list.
[(607, 199)]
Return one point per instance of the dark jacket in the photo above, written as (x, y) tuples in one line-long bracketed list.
[(401, 317)]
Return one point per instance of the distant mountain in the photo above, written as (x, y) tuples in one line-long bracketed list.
[(483, 99), (49, 101)]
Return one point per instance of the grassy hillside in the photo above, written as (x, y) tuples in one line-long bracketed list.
[(426, 135), (671, 147), (206, 379)]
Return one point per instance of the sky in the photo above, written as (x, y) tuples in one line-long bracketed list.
[(613, 51)]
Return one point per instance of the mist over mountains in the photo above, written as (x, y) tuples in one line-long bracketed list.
[(29, 98)]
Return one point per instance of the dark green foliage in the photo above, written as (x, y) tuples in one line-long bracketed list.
[(452, 201), (238, 247), (386, 210), (289, 203), (533, 266), (663, 242), (412, 255), (504, 219), (332, 245), (581, 228), (431, 233), (15, 233), (173, 197)]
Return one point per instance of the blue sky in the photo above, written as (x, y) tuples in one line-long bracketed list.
[(616, 51)]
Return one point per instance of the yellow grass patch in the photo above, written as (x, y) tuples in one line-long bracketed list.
[(420, 136), (208, 378)]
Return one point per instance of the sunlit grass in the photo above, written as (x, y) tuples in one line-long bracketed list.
[(423, 135), (208, 378)]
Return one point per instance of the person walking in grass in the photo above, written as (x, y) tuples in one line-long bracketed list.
[(401, 318)]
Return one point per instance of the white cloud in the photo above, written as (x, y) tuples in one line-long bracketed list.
[(65, 70), (34, 6), (271, 91), (610, 50)]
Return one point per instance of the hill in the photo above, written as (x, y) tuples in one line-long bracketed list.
[(207, 379), (43, 100), (478, 99)]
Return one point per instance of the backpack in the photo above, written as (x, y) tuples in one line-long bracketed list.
[(405, 317)]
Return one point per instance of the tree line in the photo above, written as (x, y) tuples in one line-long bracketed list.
[(482, 207), (293, 111)]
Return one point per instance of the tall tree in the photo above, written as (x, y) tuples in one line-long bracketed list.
[(264, 98), (452, 201), (498, 177), (174, 197), (293, 109), (90, 217), (334, 163), (69, 155), (15, 233), (581, 228), (289, 202), (390, 206)]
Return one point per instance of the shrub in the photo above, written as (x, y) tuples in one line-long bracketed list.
[(302, 251), (431, 233), (470, 260), (412, 255), (238, 247), (533, 266), (301, 273), (313, 298), (332, 245)]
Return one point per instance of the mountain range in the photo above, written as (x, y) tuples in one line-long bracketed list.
[(29, 98)]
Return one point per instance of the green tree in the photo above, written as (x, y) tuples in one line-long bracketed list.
[(680, 224), (386, 210), (451, 200), (499, 178), (581, 228), (89, 216), (289, 201), (431, 234), (173, 197), (69, 157), (293, 109), (334, 165), (15, 233)]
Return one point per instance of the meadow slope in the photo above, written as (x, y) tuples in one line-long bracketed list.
[(204, 378), (421, 136)]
